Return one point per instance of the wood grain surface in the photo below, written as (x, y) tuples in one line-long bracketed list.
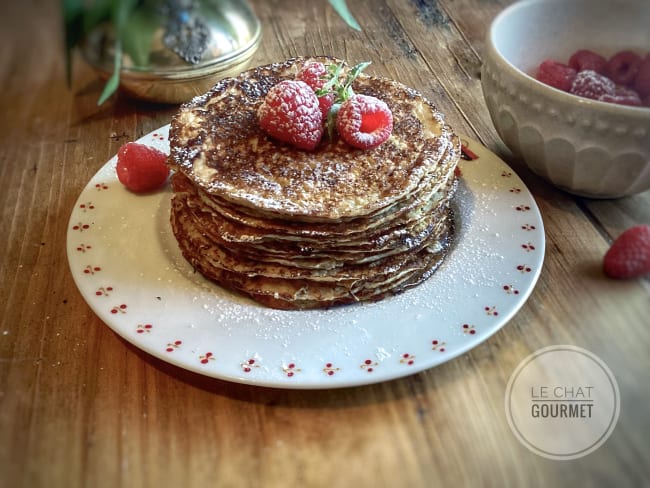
[(80, 407)]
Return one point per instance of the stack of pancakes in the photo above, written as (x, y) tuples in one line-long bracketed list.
[(298, 229)]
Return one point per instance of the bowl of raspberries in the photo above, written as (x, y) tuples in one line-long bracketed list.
[(567, 85)]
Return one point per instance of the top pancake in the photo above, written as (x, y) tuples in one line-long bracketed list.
[(217, 143)]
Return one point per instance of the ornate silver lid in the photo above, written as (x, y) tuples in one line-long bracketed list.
[(193, 43)]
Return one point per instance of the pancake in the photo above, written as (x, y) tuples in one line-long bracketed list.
[(297, 229)]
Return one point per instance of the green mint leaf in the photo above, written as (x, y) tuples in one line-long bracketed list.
[(342, 90), (354, 73), (334, 73)]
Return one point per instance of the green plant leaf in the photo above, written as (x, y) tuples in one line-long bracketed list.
[(120, 12), (73, 27), (341, 8), (138, 34), (96, 12), (114, 81)]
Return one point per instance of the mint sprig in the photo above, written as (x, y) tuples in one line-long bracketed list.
[(342, 90)]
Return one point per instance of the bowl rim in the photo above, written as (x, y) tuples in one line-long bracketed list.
[(569, 98)]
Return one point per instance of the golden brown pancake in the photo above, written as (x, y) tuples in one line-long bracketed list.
[(298, 229)]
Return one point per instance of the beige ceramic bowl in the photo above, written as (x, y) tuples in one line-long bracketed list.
[(585, 147)]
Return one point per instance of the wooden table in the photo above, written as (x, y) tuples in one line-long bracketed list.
[(81, 407)]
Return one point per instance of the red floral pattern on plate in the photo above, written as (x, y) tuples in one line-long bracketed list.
[(437, 345), (144, 328), (80, 227), (86, 206), (330, 369), (121, 308), (369, 365), (469, 329), (408, 359), (206, 358), (290, 370), (104, 291), (172, 346), (248, 365)]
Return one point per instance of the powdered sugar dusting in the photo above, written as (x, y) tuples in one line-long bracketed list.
[(491, 212), (590, 84), (364, 121), (172, 313), (258, 172), (291, 113)]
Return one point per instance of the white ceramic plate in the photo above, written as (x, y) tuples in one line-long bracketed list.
[(127, 265)]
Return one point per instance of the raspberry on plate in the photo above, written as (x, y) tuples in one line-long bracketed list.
[(629, 255), (556, 74), (623, 67), (314, 74), (584, 59), (141, 168), (590, 84), (364, 121), (291, 113)]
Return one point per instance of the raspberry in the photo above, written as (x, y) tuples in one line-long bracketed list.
[(590, 84), (622, 96), (290, 113), (621, 100), (642, 80), (364, 121), (325, 103), (624, 91), (623, 67), (556, 74), (315, 75), (141, 168), (629, 255), (584, 59)]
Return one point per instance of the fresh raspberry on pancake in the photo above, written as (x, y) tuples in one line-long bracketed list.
[(291, 113), (364, 121), (315, 74)]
